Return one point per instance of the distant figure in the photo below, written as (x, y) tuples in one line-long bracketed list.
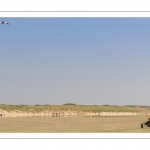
[(53, 114), (0, 115), (56, 114)]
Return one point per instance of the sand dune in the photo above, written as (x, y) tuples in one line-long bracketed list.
[(68, 114)]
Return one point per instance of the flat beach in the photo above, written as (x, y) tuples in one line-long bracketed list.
[(117, 124)]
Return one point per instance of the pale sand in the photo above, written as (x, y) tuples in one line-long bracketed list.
[(120, 124), (69, 113)]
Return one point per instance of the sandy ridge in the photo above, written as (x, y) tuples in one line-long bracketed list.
[(68, 113)]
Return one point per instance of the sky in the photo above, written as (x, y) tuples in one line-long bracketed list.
[(85, 61)]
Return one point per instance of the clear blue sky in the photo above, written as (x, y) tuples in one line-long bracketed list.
[(91, 61)]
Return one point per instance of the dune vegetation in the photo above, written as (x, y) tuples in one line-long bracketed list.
[(73, 107)]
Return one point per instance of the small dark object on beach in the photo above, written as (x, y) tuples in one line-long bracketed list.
[(141, 125)]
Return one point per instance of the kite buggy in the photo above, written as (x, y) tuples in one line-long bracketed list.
[(147, 123), (3, 22)]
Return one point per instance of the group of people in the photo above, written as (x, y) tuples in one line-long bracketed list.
[(55, 114)]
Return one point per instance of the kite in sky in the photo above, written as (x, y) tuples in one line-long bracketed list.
[(3, 22)]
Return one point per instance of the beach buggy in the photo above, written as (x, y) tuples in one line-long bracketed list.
[(147, 123)]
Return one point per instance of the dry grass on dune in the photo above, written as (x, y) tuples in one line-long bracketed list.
[(84, 108)]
